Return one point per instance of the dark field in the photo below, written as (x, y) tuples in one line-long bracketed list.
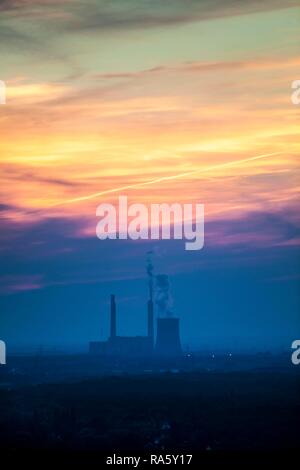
[(187, 412)]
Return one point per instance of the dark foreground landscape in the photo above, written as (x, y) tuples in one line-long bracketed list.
[(196, 412)]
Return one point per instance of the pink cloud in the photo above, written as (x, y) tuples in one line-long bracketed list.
[(16, 283)]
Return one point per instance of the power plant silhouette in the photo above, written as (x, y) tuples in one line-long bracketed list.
[(167, 341)]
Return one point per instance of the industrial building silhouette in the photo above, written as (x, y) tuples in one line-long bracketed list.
[(167, 343)]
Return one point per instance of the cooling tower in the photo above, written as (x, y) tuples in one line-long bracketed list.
[(168, 339)]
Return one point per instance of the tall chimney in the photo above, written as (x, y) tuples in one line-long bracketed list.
[(150, 301), (113, 317), (150, 322)]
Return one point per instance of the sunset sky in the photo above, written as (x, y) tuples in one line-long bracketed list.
[(103, 95)]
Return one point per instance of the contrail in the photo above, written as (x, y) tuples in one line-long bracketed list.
[(163, 178)]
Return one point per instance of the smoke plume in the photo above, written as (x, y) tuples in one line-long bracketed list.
[(163, 297)]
